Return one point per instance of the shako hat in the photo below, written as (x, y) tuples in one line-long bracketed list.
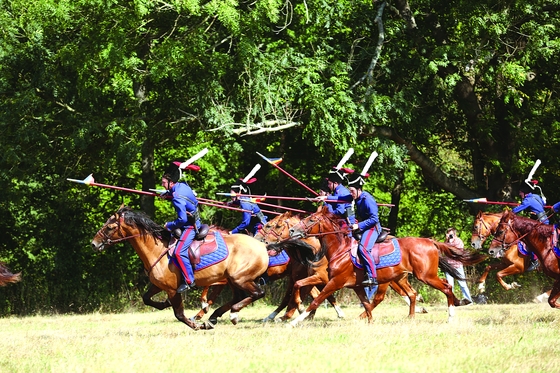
[(358, 180), (242, 185), (338, 174), (174, 172)]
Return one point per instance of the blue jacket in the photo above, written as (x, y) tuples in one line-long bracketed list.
[(532, 203), (250, 220), (366, 211), (341, 193), (184, 201)]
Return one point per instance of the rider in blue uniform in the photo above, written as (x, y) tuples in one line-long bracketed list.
[(253, 218), (534, 203), (340, 199), (367, 228), (187, 223)]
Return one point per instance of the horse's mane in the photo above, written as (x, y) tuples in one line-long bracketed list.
[(526, 225), (140, 220)]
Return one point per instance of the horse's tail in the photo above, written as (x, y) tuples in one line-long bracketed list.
[(298, 250), (6, 276), (445, 266), (460, 255)]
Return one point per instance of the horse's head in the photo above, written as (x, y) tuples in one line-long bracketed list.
[(484, 226), (109, 232), (313, 224), (124, 225), (504, 236), (277, 229)]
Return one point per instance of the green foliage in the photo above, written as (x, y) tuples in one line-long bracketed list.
[(118, 89)]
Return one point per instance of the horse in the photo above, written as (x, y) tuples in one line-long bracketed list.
[(277, 230), (538, 238), (7, 277), (245, 260), (511, 262), (274, 231), (420, 256)]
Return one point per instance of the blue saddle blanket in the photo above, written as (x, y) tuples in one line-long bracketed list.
[(220, 254), (390, 259), (278, 260)]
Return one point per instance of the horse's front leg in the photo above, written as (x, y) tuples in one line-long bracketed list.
[(554, 294), (513, 269), (208, 300), (147, 298), (378, 298)]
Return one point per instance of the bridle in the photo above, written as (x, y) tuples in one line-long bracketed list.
[(483, 224), (270, 231), (308, 223), (503, 233), (108, 241)]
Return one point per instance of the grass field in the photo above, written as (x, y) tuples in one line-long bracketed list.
[(483, 338)]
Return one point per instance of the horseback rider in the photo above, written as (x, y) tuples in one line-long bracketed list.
[(185, 227), (340, 199), (368, 228), (534, 203), (253, 218)]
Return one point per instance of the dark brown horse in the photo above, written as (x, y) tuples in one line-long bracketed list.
[(420, 256), (247, 259), (511, 262), (538, 238), (7, 277)]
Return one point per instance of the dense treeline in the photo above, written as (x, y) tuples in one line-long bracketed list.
[(458, 98)]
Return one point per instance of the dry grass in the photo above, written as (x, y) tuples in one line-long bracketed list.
[(489, 338)]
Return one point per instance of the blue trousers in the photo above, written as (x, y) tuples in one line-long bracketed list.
[(366, 244), (182, 255)]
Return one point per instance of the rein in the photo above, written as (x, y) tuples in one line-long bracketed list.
[(107, 240)]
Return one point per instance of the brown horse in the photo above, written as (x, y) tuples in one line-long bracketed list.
[(538, 238), (7, 277), (247, 259), (420, 256), (277, 230), (274, 231), (511, 262)]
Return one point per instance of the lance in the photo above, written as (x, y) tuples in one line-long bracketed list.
[(290, 198), (211, 202), (156, 193), (485, 201), (274, 162)]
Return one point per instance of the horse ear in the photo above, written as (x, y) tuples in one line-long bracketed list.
[(122, 205)]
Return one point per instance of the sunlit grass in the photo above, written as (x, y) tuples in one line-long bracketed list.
[(488, 338)]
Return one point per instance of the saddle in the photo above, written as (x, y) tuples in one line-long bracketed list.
[(203, 247), (378, 250)]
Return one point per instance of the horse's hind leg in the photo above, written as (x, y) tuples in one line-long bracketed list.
[(147, 298), (254, 292)]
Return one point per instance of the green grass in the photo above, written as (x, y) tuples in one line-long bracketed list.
[(483, 338)]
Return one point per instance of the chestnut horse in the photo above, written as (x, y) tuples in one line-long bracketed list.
[(274, 231), (511, 262), (538, 238), (7, 277), (277, 230), (420, 256), (246, 260)]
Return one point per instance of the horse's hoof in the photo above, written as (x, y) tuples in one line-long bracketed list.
[(207, 326), (213, 321), (234, 318)]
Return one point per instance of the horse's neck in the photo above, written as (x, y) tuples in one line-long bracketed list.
[(148, 249), (333, 244)]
